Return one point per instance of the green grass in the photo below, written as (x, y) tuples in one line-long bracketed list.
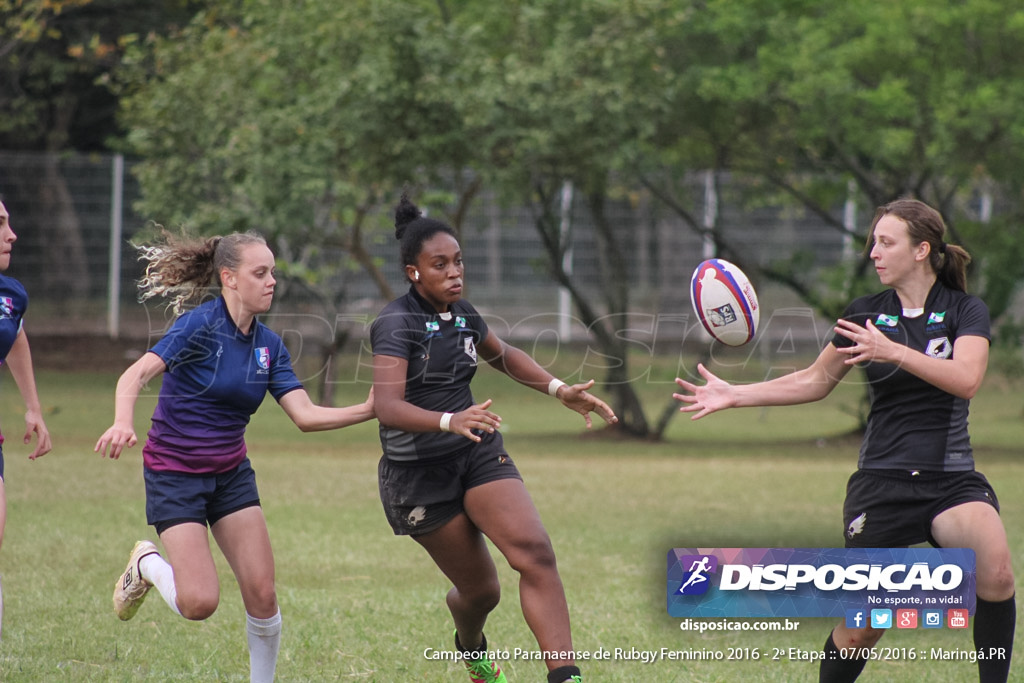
[(360, 604)]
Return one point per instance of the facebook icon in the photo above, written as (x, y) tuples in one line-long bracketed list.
[(856, 618)]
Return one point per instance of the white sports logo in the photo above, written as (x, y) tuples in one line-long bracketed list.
[(939, 348), (857, 525), (418, 514)]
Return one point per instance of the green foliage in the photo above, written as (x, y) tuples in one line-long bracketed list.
[(998, 259), (303, 119), (56, 57)]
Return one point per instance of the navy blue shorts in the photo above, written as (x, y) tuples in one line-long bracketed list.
[(1, 462), (895, 508), (174, 498), (421, 496)]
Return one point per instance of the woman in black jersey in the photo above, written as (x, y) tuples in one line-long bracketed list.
[(924, 346), (445, 477)]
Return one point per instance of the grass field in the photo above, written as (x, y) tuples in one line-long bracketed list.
[(360, 604)]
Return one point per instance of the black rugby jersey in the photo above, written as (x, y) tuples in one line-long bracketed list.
[(441, 350), (914, 425)]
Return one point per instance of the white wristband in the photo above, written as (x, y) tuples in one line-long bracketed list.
[(553, 386), (446, 421)]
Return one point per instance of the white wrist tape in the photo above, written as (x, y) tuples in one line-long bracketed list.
[(553, 386), (446, 421)]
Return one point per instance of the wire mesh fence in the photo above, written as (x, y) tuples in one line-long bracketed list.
[(75, 220)]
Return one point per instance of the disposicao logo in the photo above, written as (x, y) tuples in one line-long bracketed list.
[(696, 580), (817, 582)]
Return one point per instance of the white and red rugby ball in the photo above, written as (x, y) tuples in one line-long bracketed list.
[(725, 302)]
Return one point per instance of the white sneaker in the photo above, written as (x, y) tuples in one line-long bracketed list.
[(131, 588)]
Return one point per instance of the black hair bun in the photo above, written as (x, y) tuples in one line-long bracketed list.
[(405, 213)]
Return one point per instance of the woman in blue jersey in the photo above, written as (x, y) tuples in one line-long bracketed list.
[(445, 477), (15, 353), (219, 362), (924, 345)]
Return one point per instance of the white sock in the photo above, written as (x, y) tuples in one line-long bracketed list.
[(264, 643), (158, 572)]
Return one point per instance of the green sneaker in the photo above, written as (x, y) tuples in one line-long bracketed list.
[(484, 669)]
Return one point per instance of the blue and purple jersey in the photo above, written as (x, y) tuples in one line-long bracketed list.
[(13, 302), (216, 379)]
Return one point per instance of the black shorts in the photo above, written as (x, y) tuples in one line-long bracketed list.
[(1, 463), (176, 497), (895, 508), (421, 496)]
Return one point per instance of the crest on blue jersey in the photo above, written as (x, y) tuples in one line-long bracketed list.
[(262, 357), (936, 317), (460, 321), (6, 307), (433, 326)]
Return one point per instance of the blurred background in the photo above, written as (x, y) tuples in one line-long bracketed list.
[(589, 154)]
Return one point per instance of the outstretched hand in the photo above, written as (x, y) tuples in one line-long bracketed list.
[(716, 394), (868, 344), (576, 397), (117, 438), (475, 417)]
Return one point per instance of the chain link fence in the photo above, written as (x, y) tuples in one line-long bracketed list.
[(74, 218)]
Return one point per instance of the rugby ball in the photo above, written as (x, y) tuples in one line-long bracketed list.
[(725, 302)]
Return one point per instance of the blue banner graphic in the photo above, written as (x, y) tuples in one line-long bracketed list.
[(852, 583)]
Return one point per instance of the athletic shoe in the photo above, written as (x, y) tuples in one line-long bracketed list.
[(484, 669), (130, 590)]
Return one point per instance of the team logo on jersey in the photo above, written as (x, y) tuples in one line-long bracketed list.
[(469, 348), (262, 354), (433, 329), (460, 321), (418, 514), (939, 348), (6, 307), (936, 317), (884, 320), (857, 525)]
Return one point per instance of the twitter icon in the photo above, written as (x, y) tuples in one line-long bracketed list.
[(881, 618)]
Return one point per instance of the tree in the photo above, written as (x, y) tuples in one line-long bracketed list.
[(905, 98), (557, 84), (53, 56), (303, 119), (299, 119)]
